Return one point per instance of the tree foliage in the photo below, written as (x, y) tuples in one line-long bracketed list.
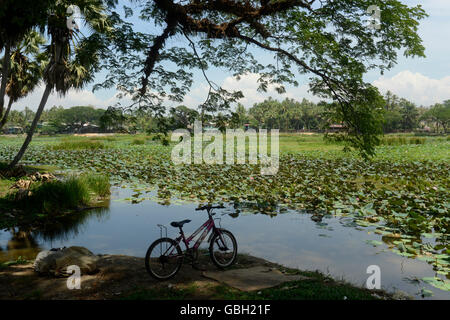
[(439, 114), (73, 57), (328, 40)]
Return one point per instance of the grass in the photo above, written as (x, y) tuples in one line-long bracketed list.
[(164, 293), (18, 261), (5, 184), (294, 143), (57, 196), (299, 290), (138, 141), (402, 140), (318, 287), (103, 138), (98, 184), (76, 145)]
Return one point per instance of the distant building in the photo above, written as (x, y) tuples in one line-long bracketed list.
[(13, 130), (336, 128), (89, 128)]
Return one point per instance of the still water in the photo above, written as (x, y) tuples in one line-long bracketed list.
[(333, 246)]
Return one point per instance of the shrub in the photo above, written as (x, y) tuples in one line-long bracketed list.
[(399, 140), (107, 138), (138, 141), (417, 141), (157, 137), (161, 137), (75, 145), (59, 195), (98, 184)]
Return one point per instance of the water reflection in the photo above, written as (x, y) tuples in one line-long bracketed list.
[(23, 244), (71, 226), (332, 245)]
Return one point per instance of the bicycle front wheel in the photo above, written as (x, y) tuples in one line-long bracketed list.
[(223, 248), (163, 259)]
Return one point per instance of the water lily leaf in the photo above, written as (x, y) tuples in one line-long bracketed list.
[(374, 242), (426, 293)]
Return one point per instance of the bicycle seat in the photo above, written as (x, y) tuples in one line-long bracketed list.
[(209, 207), (179, 224)]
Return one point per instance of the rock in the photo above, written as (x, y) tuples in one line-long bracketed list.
[(21, 184), (317, 218), (44, 177), (55, 262), (400, 295), (25, 184)]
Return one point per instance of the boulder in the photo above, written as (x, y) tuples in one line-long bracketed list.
[(42, 177), (22, 184), (56, 261)]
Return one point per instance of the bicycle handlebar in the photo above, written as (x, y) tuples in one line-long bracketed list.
[(209, 207)]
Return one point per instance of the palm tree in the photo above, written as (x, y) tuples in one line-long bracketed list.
[(25, 73), (73, 58), (17, 18)]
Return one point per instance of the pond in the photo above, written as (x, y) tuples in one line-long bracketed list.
[(334, 246)]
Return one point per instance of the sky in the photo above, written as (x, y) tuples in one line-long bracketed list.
[(425, 81)]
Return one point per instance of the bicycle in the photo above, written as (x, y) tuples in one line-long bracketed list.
[(166, 263)]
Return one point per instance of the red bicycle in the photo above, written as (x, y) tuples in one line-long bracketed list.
[(164, 256)]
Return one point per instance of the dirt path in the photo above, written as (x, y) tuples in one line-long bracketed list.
[(125, 277), (118, 276)]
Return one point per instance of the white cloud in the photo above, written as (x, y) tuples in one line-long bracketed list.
[(416, 87), (248, 84), (435, 7), (72, 98)]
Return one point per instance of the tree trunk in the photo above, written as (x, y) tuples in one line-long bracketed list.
[(30, 133), (4, 119), (5, 74)]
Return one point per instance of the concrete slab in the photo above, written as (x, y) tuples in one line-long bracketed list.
[(250, 279)]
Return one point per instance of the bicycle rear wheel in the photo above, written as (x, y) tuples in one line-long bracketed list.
[(223, 248), (163, 259)]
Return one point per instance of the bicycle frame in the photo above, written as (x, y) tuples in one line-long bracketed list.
[(206, 227)]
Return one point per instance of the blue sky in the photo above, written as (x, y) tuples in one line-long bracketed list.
[(424, 81)]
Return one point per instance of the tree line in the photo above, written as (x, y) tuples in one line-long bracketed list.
[(400, 115)]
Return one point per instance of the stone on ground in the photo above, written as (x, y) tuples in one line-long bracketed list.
[(256, 278), (56, 262)]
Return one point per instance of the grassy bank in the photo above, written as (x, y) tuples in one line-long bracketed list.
[(42, 200), (60, 195), (315, 286), (124, 278), (318, 287)]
